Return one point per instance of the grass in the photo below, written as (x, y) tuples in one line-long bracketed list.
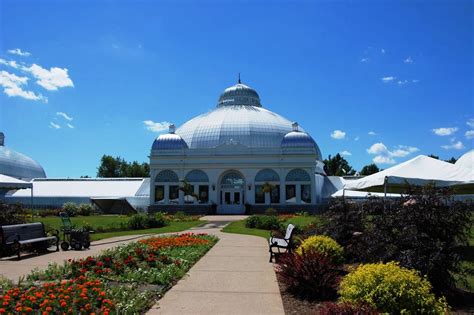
[(106, 222), (101, 223), (172, 227), (238, 227)]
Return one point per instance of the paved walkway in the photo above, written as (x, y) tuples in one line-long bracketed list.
[(234, 277)]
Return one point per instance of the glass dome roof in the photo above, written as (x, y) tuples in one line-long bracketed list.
[(18, 165), (169, 141), (239, 118), (251, 126)]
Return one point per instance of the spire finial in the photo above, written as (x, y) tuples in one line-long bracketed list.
[(239, 79)]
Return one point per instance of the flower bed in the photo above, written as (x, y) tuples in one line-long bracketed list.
[(127, 278)]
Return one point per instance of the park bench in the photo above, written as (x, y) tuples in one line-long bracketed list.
[(285, 243), (14, 237)]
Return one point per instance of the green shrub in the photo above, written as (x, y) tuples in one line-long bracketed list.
[(71, 209), (143, 221), (85, 209), (264, 222), (325, 246), (391, 289), (137, 222), (12, 214), (271, 211), (157, 220)]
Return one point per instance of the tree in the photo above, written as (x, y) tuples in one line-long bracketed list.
[(118, 167), (369, 169), (452, 160), (337, 166)]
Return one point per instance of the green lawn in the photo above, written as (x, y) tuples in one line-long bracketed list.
[(101, 223), (106, 222), (238, 227), (172, 227)]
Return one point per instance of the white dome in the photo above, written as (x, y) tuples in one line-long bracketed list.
[(254, 127), (15, 164)]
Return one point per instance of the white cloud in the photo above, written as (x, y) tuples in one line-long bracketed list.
[(378, 148), (346, 153), (415, 81), (470, 122), (156, 126), (53, 125), (70, 126), (10, 63), (338, 134), (403, 150), (51, 79), (388, 79), (455, 145), (17, 51), (356, 138), (402, 82), (408, 60), (64, 115), (445, 131), (382, 51), (364, 60), (386, 156), (469, 134), (12, 86), (372, 133), (380, 159)]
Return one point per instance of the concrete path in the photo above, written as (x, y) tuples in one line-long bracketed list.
[(234, 277)]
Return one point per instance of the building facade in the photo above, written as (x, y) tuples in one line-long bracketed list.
[(238, 157)]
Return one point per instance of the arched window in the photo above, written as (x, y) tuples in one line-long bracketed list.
[(298, 187), (267, 175), (167, 176), (232, 179), (197, 176), (298, 175)]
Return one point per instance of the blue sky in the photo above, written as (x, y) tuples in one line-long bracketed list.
[(378, 80)]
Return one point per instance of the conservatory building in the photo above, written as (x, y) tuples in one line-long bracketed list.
[(239, 157)]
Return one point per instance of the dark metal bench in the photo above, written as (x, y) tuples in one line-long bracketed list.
[(14, 237), (281, 243)]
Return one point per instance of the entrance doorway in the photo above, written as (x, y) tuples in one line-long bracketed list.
[(232, 194)]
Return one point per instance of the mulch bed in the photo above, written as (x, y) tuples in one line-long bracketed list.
[(293, 305)]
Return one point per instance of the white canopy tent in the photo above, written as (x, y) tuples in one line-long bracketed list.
[(10, 183), (467, 161), (420, 170)]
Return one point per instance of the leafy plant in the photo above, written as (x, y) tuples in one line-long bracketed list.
[(264, 222), (71, 209), (422, 231), (311, 275), (271, 211), (11, 214), (324, 245), (85, 209), (391, 289)]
